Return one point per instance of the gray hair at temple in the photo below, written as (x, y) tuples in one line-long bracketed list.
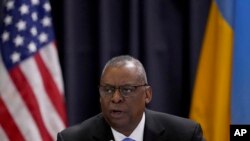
[(121, 60)]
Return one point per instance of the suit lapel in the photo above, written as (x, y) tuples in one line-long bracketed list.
[(152, 131), (103, 131)]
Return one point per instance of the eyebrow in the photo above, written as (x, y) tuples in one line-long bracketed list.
[(127, 84)]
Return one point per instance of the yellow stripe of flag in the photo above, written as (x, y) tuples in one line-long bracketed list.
[(211, 96)]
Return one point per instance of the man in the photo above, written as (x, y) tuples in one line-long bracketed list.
[(124, 94)]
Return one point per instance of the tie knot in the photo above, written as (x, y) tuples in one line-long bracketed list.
[(128, 139)]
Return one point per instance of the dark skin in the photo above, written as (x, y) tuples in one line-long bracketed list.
[(124, 113)]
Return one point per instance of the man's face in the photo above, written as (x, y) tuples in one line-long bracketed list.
[(124, 113)]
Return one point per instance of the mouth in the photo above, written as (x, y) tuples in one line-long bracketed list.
[(116, 114)]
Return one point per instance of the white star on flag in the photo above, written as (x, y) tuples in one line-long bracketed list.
[(5, 36), (18, 41), (46, 21), (35, 2), (21, 25), (43, 37), (33, 31), (10, 5), (8, 20), (15, 57), (34, 16), (32, 47), (47, 7), (24, 9)]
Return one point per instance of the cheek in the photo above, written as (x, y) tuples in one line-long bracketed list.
[(137, 105), (141, 99), (103, 100), (104, 104)]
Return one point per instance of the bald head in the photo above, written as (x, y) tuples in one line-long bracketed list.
[(127, 61)]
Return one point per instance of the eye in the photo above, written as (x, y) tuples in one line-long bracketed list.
[(127, 89), (108, 90)]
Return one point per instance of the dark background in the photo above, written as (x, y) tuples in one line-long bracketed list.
[(165, 35)]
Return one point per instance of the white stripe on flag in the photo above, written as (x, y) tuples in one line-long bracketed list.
[(17, 107), (51, 119), (50, 57), (3, 136)]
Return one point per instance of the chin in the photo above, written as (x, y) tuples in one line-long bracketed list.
[(118, 123)]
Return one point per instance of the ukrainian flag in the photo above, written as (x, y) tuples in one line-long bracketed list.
[(221, 94)]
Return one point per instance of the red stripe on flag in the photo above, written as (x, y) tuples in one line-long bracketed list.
[(51, 88), (30, 100), (9, 124)]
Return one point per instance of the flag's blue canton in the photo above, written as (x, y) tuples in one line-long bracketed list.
[(26, 27)]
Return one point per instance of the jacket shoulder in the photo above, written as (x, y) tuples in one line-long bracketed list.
[(175, 128), (172, 120), (82, 131)]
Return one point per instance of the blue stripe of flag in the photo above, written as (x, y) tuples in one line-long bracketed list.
[(226, 7), (240, 110)]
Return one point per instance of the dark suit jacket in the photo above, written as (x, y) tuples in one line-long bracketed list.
[(158, 127)]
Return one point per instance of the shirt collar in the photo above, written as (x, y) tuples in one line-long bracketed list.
[(137, 134)]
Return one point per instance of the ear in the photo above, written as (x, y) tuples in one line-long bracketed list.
[(148, 95)]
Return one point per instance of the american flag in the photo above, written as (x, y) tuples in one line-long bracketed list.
[(31, 89)]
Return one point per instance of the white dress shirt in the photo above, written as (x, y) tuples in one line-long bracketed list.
[(136, 135)]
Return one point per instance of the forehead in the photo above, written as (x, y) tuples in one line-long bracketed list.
[(118, 75)]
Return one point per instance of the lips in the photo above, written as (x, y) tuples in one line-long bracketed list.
[(116, 114)]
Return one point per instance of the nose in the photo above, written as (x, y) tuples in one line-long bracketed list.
[(117, 97)]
